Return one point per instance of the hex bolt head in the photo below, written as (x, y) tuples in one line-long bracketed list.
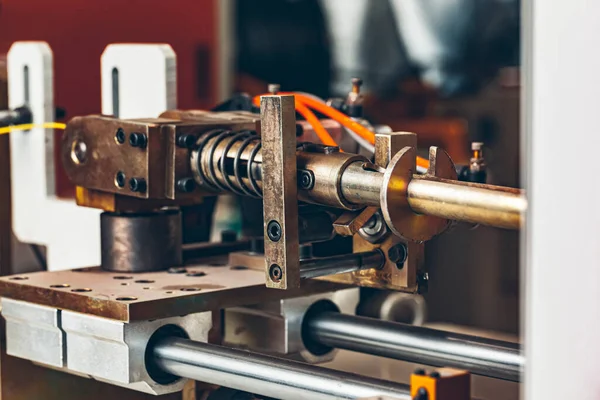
[(186, 185), (398, 254), (137, 185), (186, 141), (274, 231), (138, 140), (120, 136), (435, 374), (419, 371)]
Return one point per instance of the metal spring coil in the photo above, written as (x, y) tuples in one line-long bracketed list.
[(206, 152)]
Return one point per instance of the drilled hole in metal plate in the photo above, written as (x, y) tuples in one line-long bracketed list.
[(169, 292), (146, 288), (126, 298), (196, 273), (81, 290), (189, 289), (238, 267), (60, 285), (144, 281), (124, 284), (18, 278), (122, 277)]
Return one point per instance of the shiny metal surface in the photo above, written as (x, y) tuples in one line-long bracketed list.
[(141, 242), (491, 358), (314, 268), (476, 203), (264, 375)]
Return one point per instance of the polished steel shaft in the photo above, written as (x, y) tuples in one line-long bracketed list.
[(313, 268), (264, 375), (476, 203), (417, 344)]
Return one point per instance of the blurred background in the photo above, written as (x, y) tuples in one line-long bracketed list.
[(445, 69)]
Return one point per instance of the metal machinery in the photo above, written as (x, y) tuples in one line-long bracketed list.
[(156, 310)]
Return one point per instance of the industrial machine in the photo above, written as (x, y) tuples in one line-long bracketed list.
[(323, 217)]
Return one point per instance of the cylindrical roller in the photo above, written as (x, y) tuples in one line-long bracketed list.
[(313, 268), (141, 242), (469, 202), (416, 344), (265, 375)]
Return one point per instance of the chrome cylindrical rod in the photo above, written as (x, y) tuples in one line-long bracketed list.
[(476, 203), (480, 356), (265, 375), (313, 268)]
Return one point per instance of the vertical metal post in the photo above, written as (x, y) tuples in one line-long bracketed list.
[(280, 191), (560, 241)]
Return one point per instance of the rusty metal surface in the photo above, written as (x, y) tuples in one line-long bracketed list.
[(280, 191), (144, 296), (350, 222), (141, 242), (161, 162)]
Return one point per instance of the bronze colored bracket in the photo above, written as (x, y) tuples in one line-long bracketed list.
[(280, 191)]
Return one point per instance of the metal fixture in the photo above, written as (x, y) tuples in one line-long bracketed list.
[(264, 375), (416, 344)]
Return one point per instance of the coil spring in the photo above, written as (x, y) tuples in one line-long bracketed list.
[(206, 152)]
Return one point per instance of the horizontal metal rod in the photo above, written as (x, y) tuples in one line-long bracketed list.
[(313, 268), (480, 356), (476, 203), (265, 375)]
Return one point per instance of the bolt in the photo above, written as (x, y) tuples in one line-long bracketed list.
[(398, 254), (137, 185), (274, 231), (275, 273), (419, 371), (421, 394), (120, 136), (186, 185), (79, 152), (356, 84), (307, 180), (273, 88), (138, 140), (186, 141), (120, 179), (435, 375)]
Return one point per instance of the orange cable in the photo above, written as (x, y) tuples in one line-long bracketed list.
[(343, 120)]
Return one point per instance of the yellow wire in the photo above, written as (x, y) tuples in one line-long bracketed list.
[(26, 127)]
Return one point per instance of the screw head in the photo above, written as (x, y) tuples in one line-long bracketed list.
[(186, 185), (398, 254), (306, 180), (435, 374), (120, 136), (120, 179), (275, 273), (186, 141), (274, 231), (137, 185), (79, 152), (419, 371), (138, 140)]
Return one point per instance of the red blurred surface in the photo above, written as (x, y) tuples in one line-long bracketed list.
[(79, 30)]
